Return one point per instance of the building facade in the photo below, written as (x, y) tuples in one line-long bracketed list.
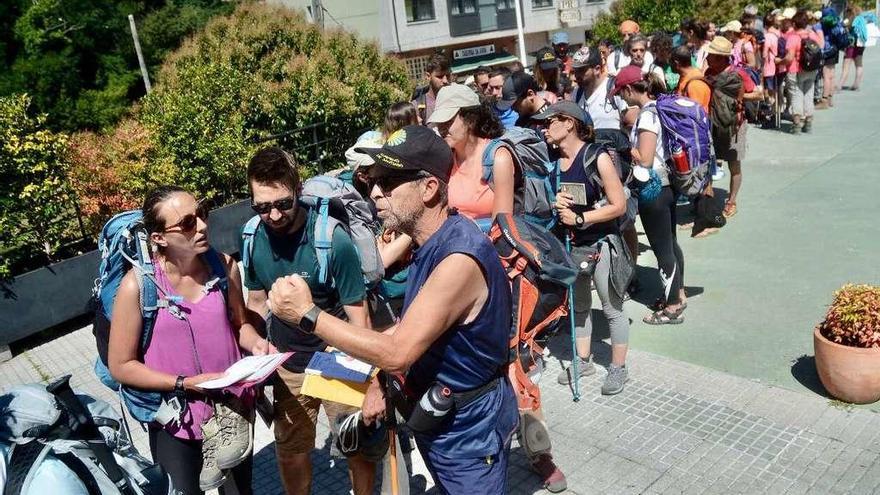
[(469, 32)]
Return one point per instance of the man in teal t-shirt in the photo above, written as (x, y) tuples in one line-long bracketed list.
[(284, 245)]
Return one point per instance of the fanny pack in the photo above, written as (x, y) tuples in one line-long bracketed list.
[(411, 408)]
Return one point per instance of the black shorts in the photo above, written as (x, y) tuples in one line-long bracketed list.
[(831, 60)]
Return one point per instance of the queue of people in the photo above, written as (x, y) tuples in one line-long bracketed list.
[(434, 178)]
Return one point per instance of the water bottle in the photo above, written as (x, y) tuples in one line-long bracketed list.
[(432, 410), (680, 159)]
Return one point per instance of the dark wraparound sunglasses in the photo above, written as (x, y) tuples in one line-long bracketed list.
[(189, 222), (280, 205), (388, 183)]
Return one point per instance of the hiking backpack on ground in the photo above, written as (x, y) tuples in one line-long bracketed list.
[(686, 128), (336, 204), (540, 272), (123, 245), (811, 55), (56, 441), (535, 193)]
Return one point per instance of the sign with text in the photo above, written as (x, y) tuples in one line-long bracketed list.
[(568, 4), (569, 16), (474, 51)]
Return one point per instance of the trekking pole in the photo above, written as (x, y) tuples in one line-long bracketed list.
[(60, 388), (391, 424), (576, 394)]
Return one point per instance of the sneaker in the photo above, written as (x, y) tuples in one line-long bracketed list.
[(236, 442), (617, 376), (585, 368), (554, 480), (718, 175), (212, 476)]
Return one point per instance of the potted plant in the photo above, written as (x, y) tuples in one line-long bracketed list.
[(847, 345)]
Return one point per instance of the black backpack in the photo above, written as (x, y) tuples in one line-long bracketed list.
[(811, 55)]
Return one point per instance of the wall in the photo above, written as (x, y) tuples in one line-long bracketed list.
[(428, 34), (360, 16)]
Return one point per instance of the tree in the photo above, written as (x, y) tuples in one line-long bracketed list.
[(35, 200), (76, 60), (650, 14), (259, 72)]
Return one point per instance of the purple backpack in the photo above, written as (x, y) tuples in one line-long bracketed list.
[(686, 125)]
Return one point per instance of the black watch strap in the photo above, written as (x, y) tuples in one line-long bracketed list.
[(307, 322), (178, 384)]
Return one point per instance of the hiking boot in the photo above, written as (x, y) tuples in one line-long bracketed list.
[(614, 381), (554, 480), (585, 368), (235, 441), (211, 476)]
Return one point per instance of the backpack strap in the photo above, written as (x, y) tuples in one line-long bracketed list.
[(247, 240), (591, 163), (218, 271), (489, 159), (325, 224), (23, 461), (78, 467)]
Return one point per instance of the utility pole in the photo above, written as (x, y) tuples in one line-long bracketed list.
[(318, 13), (520, 34), (140, 55)]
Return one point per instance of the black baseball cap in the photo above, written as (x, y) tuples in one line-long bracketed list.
[(547, 59), (413, 148), (515, 87), (586, 57)]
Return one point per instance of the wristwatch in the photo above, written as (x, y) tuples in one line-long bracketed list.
[(308, 320), (178, 384), (579, 221)]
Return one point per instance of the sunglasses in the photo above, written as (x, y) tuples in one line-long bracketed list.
[(189, 222), (388, 183), (267, 207)]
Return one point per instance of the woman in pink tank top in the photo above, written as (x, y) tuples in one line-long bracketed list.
[(194, 339), (467, 126)]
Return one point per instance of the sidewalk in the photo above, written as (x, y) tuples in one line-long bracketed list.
[(677, 428), (727, 402)]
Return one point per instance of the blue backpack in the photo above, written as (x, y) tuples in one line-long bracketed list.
[(686, 126), (336, 204), (123, 245), (534, 199)]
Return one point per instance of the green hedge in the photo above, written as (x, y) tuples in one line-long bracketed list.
[(35, 197), (262, 71)]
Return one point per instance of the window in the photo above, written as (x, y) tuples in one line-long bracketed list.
[(540, 4), (419, 10), (502, 5), (462, 7), (416, 67)]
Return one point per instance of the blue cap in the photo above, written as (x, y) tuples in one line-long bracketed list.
[(560, 38)]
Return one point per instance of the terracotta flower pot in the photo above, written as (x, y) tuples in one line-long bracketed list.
[(851, 374)]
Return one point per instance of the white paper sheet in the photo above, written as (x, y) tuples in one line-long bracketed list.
[(248, 369)]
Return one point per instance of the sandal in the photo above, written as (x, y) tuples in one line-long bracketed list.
[(706, 232), (660, 304), (729, 209), (665, 317)]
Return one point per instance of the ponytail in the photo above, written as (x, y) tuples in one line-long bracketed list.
[(651, 84)]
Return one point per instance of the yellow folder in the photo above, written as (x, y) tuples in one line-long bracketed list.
[(343, 392)]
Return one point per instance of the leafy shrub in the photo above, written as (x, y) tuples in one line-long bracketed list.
[(650, 14), (113, 172), (259, 72), (35, 199), (854, 317)]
